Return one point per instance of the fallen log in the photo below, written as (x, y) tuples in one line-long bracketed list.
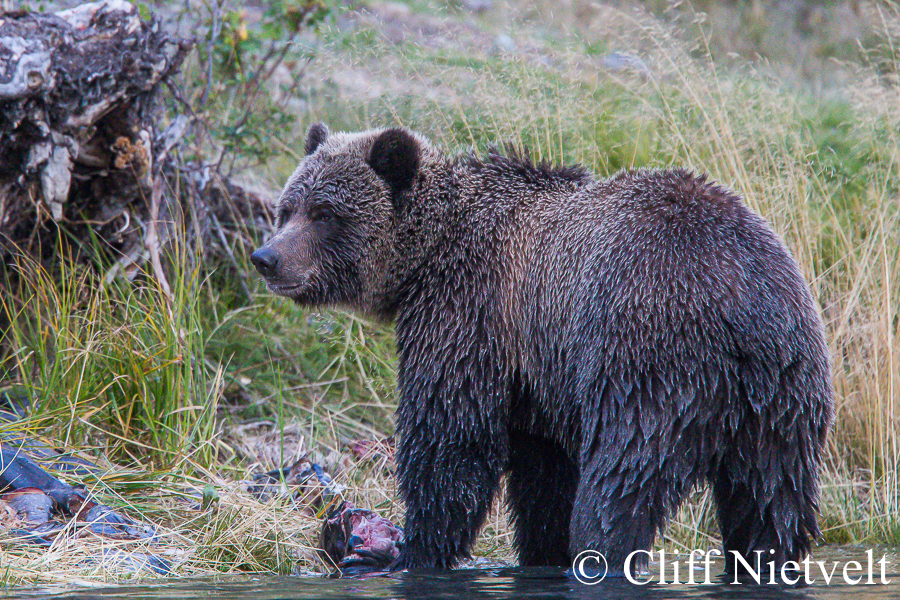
[(89, 157)]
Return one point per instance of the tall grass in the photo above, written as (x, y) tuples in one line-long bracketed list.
[(114, 363), (160, 381), (823, 169), (148, 383)]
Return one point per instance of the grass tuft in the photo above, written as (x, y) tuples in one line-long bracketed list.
[(163, 388)]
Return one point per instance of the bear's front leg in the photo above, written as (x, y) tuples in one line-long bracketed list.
[(452, 442), (448, 486)]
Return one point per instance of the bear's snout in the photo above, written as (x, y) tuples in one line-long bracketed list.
[(265, 260)]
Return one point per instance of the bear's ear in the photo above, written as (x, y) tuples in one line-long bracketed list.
[(395, 158), (315, 137)]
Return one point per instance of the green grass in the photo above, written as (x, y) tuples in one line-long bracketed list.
[(158, 382), (114, 360), (822, 169)]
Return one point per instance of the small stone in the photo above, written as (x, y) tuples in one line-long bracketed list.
[(504, 43), (477, 6), (623, 61)]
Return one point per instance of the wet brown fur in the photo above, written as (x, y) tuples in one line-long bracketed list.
[(609, 344)]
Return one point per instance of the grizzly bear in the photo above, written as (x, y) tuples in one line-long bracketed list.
[(608, 344)]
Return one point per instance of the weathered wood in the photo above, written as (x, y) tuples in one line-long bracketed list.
[(85, 147)]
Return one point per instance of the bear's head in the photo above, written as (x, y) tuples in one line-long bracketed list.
[(334, 240)]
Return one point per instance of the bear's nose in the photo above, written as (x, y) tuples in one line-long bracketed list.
[(265, 260)]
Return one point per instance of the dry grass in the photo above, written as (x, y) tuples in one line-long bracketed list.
[(822, 169)]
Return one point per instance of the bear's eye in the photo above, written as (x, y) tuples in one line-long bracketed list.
[(284, 215), (322, 214)]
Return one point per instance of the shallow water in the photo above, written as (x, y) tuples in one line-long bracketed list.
[(514, 583)]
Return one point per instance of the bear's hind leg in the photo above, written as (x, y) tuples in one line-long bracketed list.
[(636, 468), (618, 513), (540, 491), (766, 481), (766, 513)]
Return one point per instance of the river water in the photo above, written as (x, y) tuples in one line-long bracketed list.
[(849, 580)]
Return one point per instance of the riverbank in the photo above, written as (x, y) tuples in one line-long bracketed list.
[(183, 393)]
